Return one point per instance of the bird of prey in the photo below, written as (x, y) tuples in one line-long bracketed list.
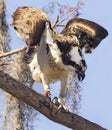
[(58, 55)]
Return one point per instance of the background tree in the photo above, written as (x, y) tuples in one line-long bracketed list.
[(17, 115), (4, 39)]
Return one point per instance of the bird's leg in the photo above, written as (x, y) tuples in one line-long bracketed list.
[(47, 91), (61, 101), (46, 86)]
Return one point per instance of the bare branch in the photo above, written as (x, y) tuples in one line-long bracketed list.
[(55, 23), (64, 11), (73, 10), (6, 63), (43, 105), (12, 52), (69, 11), (60, 25)]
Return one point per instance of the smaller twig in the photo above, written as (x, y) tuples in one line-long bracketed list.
[(6, 63), (13, 52), (75, 9), (56, 22), (60, 25)]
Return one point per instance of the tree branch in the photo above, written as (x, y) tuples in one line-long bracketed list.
[(44, 106), (13, 52), (56, 22), (73, 10)]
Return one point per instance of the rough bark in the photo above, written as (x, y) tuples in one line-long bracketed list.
[(43, 105), (3, 33), (4, 38), (12, 114), (13, 117)]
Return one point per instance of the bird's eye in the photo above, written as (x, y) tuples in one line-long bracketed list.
[(15, 28)]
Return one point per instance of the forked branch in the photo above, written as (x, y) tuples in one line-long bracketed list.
[(69, 11)]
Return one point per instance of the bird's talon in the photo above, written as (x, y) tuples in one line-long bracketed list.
[(55, 101), (59, 104)]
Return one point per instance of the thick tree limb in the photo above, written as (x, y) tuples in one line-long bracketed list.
[(44, 106)]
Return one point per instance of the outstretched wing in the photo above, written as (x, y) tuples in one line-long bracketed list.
[(29, 24), (89, 33)]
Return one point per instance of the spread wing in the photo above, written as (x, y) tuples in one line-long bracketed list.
[(29, 24), (89, 33)]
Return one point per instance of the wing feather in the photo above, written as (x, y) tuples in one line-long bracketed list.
[(89, 33), (29, 24)]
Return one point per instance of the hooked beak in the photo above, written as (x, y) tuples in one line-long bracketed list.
[(81, 75)]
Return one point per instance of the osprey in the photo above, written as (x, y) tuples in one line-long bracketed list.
[(58, 55), (56, 61)]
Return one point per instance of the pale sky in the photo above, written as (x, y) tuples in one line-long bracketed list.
[(96, 104)]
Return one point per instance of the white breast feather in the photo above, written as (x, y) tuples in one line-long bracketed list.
[(53, 47), (75, 56)]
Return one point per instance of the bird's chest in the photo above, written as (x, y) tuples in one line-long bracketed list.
[(48, 64)]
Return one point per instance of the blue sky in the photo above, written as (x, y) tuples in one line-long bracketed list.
[(96, 104)]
